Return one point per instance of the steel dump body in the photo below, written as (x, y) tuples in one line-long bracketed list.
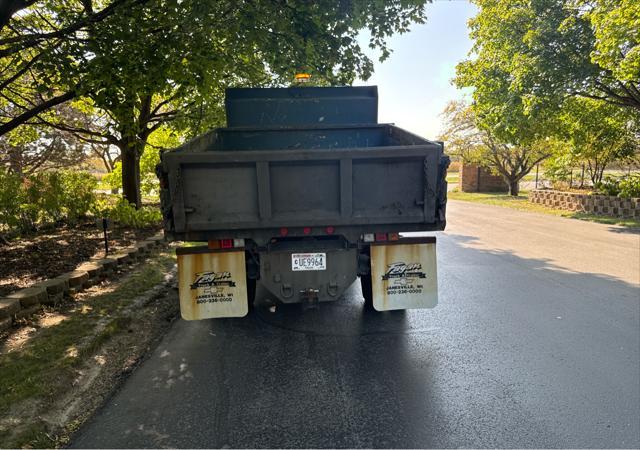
[(264, 174)]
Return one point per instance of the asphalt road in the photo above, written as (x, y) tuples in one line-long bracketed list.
[(535, 343)]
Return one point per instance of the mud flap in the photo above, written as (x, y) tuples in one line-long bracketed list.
[(211, 283), (404, 274)]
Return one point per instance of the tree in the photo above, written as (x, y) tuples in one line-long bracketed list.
[(552, 49), (616, 26), (514, 162), (463, 138), (161, 139), (599, 133), (470, 141), (169, 61), (31, 149), (37, 49)]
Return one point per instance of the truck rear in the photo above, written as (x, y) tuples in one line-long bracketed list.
[(304, 192)]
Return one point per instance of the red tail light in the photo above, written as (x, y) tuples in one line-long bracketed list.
[(381, 236), (226, 243), (330, 230), (284, 231), (306, 230)]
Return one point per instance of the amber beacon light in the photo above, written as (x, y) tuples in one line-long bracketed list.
[(302, 77)]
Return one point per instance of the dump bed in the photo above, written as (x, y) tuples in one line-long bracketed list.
[(291, 160)]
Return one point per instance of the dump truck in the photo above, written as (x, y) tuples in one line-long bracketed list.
[(304, 192)]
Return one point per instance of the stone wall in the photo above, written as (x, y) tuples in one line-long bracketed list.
[(478, 179), (26, 302), (585, 203)]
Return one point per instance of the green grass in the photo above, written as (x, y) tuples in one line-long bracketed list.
[(45, 366), (452, 178), (522, 203)]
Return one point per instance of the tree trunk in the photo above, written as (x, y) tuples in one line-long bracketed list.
[(514, 187), (131, 175)]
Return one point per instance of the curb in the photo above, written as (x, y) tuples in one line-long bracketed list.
[(28, 301)]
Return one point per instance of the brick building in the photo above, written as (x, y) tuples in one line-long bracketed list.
[(479, 179)]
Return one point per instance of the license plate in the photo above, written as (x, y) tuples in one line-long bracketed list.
[(308, 261)]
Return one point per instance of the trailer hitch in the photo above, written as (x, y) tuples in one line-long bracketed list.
[(309, 298)]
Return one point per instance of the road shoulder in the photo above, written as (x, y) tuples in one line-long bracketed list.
[(59, 368)]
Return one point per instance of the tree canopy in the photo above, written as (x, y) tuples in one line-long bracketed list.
[(551, 49), (545, 71), (145, 63)]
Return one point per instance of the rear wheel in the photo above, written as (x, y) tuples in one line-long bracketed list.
[(367, 290), (251, 292)]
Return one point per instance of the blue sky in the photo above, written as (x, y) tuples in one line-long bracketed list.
[(414, 82)]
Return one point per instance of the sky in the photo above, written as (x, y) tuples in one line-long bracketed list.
[(414, 83)]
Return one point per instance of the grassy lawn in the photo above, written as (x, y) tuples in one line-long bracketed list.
[(41, 370), (453, 177), (521, 203)]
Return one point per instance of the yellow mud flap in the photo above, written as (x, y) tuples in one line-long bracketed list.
[(211, 283), (404, 274)]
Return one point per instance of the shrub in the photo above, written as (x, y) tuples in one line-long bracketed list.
[(11, 200), (63, 196), (630, 186), (608, 186), (626, 187), (124, 213), (78, 194), (44, 198)]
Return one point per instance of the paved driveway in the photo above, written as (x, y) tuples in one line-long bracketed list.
[(535, 343)]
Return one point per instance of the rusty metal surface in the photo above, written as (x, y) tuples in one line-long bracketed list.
[(212, 285), (404, 276), (278, 165), (274, 107)]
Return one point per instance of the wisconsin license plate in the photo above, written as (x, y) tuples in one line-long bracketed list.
[(308, 261)]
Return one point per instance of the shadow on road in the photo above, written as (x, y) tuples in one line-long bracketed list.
[(625, 230), (518, 353)]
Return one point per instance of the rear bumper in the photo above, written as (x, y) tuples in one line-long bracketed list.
[(290, 286)]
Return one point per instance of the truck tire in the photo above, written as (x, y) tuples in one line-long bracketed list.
[(251, 292), (367, 292)]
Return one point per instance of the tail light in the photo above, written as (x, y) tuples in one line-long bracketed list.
[(330, 230), (225, 243), (380, 237), (306, 230), (284, 231)]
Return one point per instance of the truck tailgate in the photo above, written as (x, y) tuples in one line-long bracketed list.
[(234, 190)]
